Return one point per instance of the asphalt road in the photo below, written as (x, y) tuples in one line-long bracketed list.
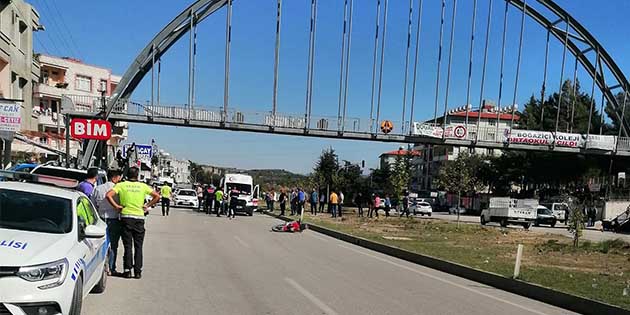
[(199, 264), (590, 234)]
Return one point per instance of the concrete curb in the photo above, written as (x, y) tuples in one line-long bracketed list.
[(560, 299)]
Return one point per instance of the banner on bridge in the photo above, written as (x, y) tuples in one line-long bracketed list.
[(452, 131)]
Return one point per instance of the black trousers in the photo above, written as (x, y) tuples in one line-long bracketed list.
[(313, 207), (114, 231), (133, 238), (360, 210), (166, 206), (283, 206), (207, 206), (217, 207), (321, 207)]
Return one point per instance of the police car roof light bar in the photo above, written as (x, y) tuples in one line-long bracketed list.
[(39, 179)]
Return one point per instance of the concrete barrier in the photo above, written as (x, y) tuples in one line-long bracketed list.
[(560, 299)]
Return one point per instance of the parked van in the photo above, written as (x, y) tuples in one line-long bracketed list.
[(248, 193), (507, 210)]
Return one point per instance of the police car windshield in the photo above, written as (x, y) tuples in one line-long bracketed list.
[(187, 193), (27, 211)]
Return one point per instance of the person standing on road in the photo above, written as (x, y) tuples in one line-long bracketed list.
[(322, 202), (111, 216), (375, 202), (199, 197), (293, 201), (388, 205), (301, 201), (340, 205), (272, 199), (218, 201), (334, 201), (165, 193), (132, 209), (358, 202), (87, 185), (234, 193), (283, 201), (405, 205), (314, 199), (208, 199)]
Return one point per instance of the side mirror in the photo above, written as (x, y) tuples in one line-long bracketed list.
[(93, 231)]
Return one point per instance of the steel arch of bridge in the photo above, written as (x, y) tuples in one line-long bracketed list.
[(575, 34)]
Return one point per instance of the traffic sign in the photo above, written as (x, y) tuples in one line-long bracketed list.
[(460, 131), (94, 129), (387, 126)]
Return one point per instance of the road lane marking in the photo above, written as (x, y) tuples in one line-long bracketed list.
[(444, 280), (238, 239), (322, 306)]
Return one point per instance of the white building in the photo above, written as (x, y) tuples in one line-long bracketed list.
[(170, 166), (492, 124)]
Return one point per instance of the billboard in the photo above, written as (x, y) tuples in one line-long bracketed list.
[(10, 119), (141, 152)]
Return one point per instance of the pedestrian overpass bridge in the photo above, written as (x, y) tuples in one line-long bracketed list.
[(553, 35)]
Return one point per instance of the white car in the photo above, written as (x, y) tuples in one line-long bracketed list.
[(186, 198), (50, 259), (422, 208)]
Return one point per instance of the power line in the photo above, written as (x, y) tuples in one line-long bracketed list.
[(61, 38), (42, 44), (63, 23)]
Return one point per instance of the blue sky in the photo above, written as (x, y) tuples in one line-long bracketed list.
[(111, 33)]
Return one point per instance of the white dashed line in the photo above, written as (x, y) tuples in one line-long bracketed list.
[(322, 306), (238, 239)]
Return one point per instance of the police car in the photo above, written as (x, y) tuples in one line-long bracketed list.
[(53, 247)]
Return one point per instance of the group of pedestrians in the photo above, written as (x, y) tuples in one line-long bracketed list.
[(334, 201), (122, 205), (215, 200)]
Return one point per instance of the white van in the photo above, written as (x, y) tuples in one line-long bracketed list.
[(247, 192), (508, 210)]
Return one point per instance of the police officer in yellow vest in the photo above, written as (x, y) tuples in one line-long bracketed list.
[(132, 209)]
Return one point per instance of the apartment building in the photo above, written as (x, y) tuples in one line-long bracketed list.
[(492, 125)]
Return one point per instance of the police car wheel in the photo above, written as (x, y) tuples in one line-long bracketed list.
[(77, 297), (102, 283)]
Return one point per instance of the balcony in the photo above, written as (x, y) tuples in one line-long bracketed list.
[(48, 120), (43, 89)]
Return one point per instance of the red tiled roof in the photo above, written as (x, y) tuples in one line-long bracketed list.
[(489, 115), (402, 152)]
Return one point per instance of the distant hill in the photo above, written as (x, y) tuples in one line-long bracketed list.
[(266, 178)]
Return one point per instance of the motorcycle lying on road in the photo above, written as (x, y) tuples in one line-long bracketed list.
[(290, 227)]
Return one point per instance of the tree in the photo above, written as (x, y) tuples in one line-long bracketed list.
[(615, 113), (574, 112), (326, 168), (401, 175), (576, 221), (459, 176)]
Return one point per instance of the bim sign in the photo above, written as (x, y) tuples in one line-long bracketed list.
[(95, 129)]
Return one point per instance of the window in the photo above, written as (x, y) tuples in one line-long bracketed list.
[(28, 211), (23, 36), (492, 122), (83, 83), (15, 89), (102, 87), (85, 211)]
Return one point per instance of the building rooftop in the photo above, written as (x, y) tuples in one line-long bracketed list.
[(488, 111), (402, 152)]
